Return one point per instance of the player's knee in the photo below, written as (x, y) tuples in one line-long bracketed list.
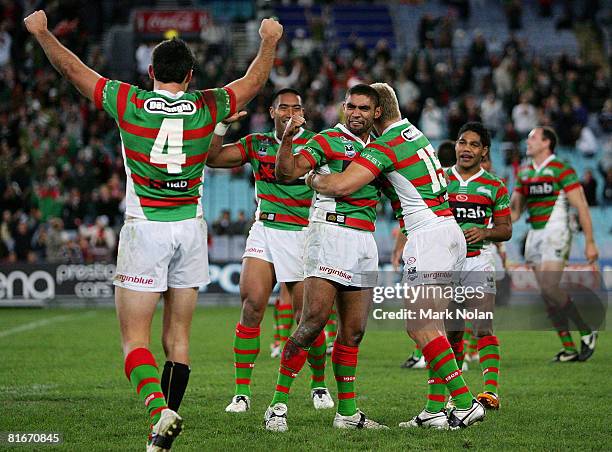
[(351, 338), (253, 309)]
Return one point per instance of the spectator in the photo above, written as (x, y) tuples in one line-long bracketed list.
[(605, 117), (55, 241), (492, 113), (22, 241), (589, 184), (587, 142), (240, 226), (101, 238), (432, 120), (607, 189), (524, 116), (514, 14), (221, 226)]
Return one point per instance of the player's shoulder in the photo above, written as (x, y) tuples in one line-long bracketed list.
[(560, 164), (491, 179), (307, 134), (525, 169), (262, 137)]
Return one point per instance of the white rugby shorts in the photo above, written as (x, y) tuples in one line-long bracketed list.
[(155, 255), (479, 271), (548, 244)]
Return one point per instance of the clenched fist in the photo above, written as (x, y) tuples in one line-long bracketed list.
[(294, 125), (270, 29), (36, 22)]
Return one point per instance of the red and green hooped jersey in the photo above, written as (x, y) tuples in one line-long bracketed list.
[(331, 151), (411, 172), (476, 201), (165, 139), (279, 205), (545, 188)]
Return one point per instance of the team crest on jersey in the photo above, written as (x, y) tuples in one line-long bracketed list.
[(411, 133), (484, 190), (160, 106), (411, 273), (548, 172), (349, 150), (263, 149)]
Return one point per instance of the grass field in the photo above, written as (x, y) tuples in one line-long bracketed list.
[(62, 371)]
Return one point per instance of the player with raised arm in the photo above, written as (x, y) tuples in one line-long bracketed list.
[(165, 134), (434, 250), (340, 258), (478, 200), (275, 245), (547, 186)]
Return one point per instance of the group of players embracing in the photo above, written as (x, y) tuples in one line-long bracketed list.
[(317, 195)]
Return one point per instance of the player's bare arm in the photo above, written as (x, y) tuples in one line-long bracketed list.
[(500, 232), (577, 200), (341, 184), (517, 205), (398, 249), (247, 87), (225, 155), (290, 166), (63, 60)]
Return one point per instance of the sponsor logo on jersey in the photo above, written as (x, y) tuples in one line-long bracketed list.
[(541, 189), (160, 106), (336, 272), (142, 280), (252, 249), (349, 150), (372, 159), (411, 260), (437, 275), (469, 212), (266, 216), (411, 133), (462, 198), (335, 218), (484, 190), (181, 185)]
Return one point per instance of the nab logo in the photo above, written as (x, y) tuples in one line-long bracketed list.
[(474, 212), (411, 133), (541, 189), (161, 106)]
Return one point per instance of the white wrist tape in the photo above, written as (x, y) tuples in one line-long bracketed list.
[(221, 129)]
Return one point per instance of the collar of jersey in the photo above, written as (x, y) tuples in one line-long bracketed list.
[(297, 135), (348, 132), (544, 163), (465, 182), (163, 92), (395, 124)]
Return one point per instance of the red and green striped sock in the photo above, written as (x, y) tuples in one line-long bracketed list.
[(316, 360), (331, 328), (246, 349), (436, 392), (561, 325), (344, 362), (293, 359), (488, 347), (285, 321), (417, 353), (141, 370), (458, 350), (440, 357), (276, 322), (471, 341)]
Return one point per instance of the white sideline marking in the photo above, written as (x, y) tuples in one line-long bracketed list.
[(40, 323)]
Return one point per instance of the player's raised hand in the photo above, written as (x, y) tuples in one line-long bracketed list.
[(36, 22), (235, 117), (270, 29), (294, 125)]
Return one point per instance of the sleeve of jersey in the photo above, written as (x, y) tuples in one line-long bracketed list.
[(502, 202), (314, 151), (244, 145), (111, 96), (518, 186), (373, 159), (569, 179)]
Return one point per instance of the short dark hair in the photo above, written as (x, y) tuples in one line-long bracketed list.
[(172, 60), (365, 90), (282, 91), (480, 129), (548, 133), (447, 154)]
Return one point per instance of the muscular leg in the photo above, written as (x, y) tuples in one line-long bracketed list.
[(135, 312), (319, 296), (179, 305), (353, 308), (256, 283), (284, 315), (488, 348)]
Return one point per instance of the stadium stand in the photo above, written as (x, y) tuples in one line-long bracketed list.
[(61, 158)]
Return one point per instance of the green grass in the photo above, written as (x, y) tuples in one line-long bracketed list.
[(67, 376)]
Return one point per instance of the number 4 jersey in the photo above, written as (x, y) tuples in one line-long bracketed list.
[(165, 139)]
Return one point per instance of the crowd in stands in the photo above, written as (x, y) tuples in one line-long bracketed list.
[(62, 180)]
